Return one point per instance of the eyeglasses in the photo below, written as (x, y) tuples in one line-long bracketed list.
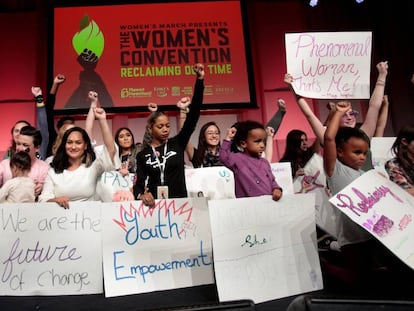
[(352, 113), (210, 133)]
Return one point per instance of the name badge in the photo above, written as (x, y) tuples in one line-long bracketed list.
[(162, 192)]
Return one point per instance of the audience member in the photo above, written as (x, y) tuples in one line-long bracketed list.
[(29, 140), (344, 153), (163, 162), (252, 174), (15, 132), (297, 151), (349, 118), (400, 169), (75, 168), (20, 188)]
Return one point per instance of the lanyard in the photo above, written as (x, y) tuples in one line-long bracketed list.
[(164, 160)]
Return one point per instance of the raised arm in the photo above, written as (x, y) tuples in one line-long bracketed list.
[(193, 115), (313, 120), (41, 120), (90, 117), (277, 118), (382, 118), (270, 132), (329, 147), (375, 101), (50, 106), (183, 104), (225, 152), (108, 140)]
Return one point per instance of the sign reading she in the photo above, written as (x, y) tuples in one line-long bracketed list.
[(265, 250), (330, 64), (382, 208), (46, 250), (147, 249)]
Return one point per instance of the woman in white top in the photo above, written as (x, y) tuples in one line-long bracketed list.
[(75, 168)]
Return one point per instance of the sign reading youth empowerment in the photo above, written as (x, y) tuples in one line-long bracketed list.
[(330, 64), (46, 250), (145, 53), (162, 248), (382, 208), (264, 250)]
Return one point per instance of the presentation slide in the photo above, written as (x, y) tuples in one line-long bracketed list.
[(133, 54)]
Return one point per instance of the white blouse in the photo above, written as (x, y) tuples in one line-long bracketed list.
[(80, 184)]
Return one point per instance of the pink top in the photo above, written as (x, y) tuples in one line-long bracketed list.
[(38, 171)]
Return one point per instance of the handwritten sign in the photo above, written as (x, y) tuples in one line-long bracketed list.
[(330, 64), (218, 182), (314, 181), (112, 181), (382, 208), (211, 182), (162, 248), (283, 175), (381, 152), (263, 249), (46, 250)]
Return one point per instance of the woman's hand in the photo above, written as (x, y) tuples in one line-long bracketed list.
[(148, 199), (62, 201)]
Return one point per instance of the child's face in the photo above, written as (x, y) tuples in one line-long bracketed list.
[(254, 145), (353, 153)]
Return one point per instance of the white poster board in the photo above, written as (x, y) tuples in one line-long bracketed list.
[(381, 152), (314, 181), (211, 182), (47, 250), (218, 182), (265, 250), (166, 247), (110, 182), (283, 175), (382, 208), (330, 64)]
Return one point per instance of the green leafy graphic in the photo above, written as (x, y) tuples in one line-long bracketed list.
[(89, 37)]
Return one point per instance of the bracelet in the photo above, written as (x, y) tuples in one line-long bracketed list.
[(380, 82), (185, 110), (39, 99)]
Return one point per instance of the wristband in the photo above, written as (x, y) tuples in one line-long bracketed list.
[(39, 99)]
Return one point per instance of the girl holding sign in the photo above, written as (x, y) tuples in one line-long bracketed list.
[(163, 161), (253, 175)]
